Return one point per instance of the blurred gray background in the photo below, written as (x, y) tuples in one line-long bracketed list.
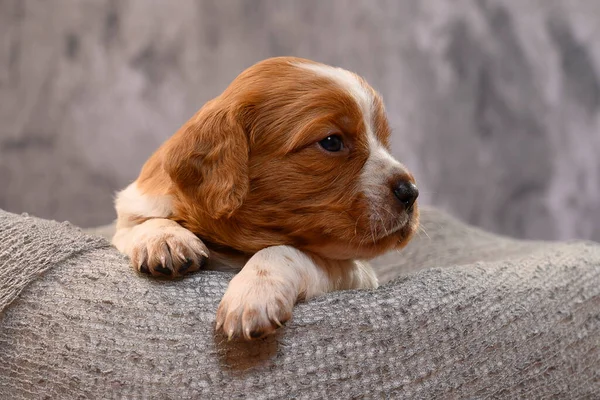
[(495, 105)]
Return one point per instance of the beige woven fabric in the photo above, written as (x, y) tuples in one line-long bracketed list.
[(501, 319)]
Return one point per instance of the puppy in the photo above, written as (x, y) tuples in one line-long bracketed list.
[(285, 177)]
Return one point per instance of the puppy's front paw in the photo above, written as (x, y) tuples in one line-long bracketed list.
[(254, 306), (169, 252)]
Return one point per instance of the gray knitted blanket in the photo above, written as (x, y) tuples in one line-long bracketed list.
[(463, 314)]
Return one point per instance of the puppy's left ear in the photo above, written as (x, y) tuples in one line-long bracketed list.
[(207, 159)]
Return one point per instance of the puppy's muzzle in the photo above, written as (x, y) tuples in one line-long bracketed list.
[(406, 192)]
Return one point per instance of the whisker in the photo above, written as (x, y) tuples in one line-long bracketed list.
[(355, 228), (365, 236), (355, 225), (422, 229), (372, 233), (386, 210), (382, 224)]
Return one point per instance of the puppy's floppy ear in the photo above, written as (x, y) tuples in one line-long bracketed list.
[(207, 159)]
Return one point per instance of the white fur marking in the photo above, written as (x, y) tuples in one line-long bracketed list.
[(130, 202), (266, 289), (145, 240), (380, 163), (350, 82), (379, 157)]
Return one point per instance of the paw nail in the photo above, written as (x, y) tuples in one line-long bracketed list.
[(203, 261), (186, 265), (144, 268), (277, 322), (162, 270), (256, 334)]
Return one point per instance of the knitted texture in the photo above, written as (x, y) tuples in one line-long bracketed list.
[(501, 319), (29, 246)]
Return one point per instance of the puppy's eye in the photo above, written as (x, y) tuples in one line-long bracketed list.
[(332, 143)]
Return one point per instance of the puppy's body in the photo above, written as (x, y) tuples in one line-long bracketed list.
[(286, 176)]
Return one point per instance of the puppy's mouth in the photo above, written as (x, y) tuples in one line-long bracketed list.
[(383, 236), (384, 229), (393, 226), (387, 237)]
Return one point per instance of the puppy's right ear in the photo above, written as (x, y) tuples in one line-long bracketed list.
[(207, 159)]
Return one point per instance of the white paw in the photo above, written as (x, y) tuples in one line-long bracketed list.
[(172, 251), (255, 305)]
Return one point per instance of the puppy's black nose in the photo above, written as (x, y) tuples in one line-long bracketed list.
[(406, 192)]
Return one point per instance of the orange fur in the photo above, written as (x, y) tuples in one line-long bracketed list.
[(246, 180), (245, 172)]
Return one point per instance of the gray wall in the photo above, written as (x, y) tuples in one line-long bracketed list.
[(494, 104)]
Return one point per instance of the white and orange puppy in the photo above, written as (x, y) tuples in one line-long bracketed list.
[(286, 177)]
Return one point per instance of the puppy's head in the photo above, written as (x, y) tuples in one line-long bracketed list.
[(297, 153)]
